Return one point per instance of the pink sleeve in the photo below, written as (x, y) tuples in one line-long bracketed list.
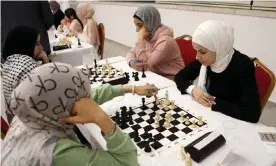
[(75, 26), (93, 33), (158, 53), (131, 55)]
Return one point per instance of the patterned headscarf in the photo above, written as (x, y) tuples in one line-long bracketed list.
[(47, 94), (150, 16), (15, 70)]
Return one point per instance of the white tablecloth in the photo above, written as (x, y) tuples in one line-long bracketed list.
[(244, 144), (77, 55)]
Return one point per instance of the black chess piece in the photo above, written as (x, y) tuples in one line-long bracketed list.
[(79, 43), (94, 79), (117, 117), (143, 104), (145, 135), (151, 120), (55, 36), (136, 78), (155, 144), (133, 74), (123, 123), (130, 120), (161, 127), (69, 46), (136, 137), (150, 138), (143, 73), (95, 63), (124, 112), (127, 76), (148, 148), (155, 107)]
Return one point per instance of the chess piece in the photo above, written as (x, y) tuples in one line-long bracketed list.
[(188, 161), (167, 108), (155, 144), (131, 111), (187, 122), (167, 102), (167, 124), (200, 121), (109, 73), (182, 116), (170, 117), (133, 74), (95, 63), (151, 120), (155, 107), (55, 36), (143, 104), (181, 153), (130, 120), (160, 128), (145, 135), (148, 148), (123, 123), (79, 43), (143, 73), (121, 72), (217, 164), (117, 117), (136, 78), (194, 124), (136, 136), (150, 137), (173, 104)]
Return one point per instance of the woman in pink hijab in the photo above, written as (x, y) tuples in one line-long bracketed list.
[(90, 32)]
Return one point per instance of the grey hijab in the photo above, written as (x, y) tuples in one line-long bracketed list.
[(150, 16)]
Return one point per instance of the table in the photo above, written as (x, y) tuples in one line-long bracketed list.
[(244, 142), (76, 55)]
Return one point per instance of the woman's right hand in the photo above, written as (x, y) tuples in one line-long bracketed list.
[(138, 66), (202, 97)]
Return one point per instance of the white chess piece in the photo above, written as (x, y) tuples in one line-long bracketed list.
[(173, 104), (187, 122), (181, 154), (121, 72), (194, 124), (182, 116), (188, 161), (200, 121), (217, 164), (167, 124), (156, 118)]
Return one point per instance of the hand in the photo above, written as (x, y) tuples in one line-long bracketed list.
[(143, 90), (143, 33), (203, 98), (138, 66), (43, 56), (86, 110)]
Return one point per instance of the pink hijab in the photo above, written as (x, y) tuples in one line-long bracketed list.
[(85, 13)]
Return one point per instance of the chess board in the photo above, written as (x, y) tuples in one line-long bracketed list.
[(165, 138), (102, 76)]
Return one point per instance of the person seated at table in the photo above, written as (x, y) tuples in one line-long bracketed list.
[(57, 13), (64, 25), (155, 49), (227, 81), (22, 52), (75, 23), (47, 112), (90, 32)]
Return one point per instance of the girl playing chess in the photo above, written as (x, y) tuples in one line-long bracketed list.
[(74, 23), (226, 77), (155, 48), (43, 126)]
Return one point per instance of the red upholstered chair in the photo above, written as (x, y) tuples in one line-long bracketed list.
[(187, 51), (4, 128), (102, 38), (265, 81)]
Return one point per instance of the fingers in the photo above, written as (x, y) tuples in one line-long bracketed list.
[(71, 119)]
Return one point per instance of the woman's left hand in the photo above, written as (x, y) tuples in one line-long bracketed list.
[(143, 33)]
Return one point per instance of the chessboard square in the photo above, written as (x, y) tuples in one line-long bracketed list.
[(149, 121), (163, 115), (142, 114), (175, 122), (135, 116), (158, 136), (139, 120), (155, 109), (164, 141), (148, 111), (123, 127), (145, 107), (176, 116), (164, 109), (142, 144), (146, 117), (187, 130), (156, 146), (179, 134), (136, 127), (154, 132), (143, 124), (152, 114), (148, 128), (177, 109), (128, 130), (172, 137), (161, 112), (174, 129), (180, 126), (137, 110), (150, 105), (162, 121), (166, 133)]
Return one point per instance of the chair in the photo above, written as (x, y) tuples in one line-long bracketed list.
[(4, 128), (102, 38), (187, 51), (265, 81)]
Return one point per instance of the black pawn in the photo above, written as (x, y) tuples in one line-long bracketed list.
[(148, 148), (123, 123), (151, 120), (94, 79), (161, 127), (143, 104), (79, 43), (155, 107), (131, 112), (150, 138), (95, 63), (55, 36), (145, 135), (136, 78), (136, 137), (127, 76), (143, 73), (155, 144), (117, 117), (131, 120)]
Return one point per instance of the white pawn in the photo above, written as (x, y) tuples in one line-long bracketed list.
[(182, 116), (194, 124), (181, 153), (188, 161), (187, 122), (217, 164), (167, 124), (121, 72)]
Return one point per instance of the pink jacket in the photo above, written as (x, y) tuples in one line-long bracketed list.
[(161, 53)]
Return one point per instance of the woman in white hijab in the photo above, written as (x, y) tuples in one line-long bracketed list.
[(226, 77)]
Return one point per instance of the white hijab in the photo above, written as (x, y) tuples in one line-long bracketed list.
[(218, 37), (47, 94)]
